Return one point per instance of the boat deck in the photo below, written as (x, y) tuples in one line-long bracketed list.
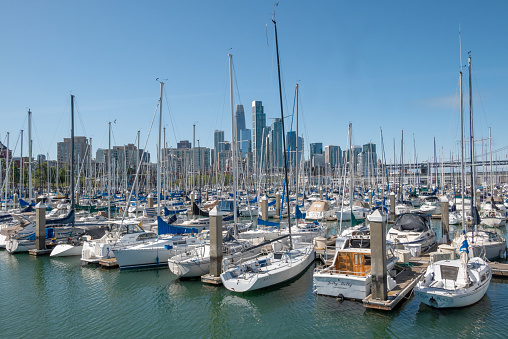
[(405, 280), (499, 270)]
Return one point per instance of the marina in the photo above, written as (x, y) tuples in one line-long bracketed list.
[(150, 302), (253, 170)]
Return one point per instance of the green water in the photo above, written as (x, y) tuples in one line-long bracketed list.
[(56, 297)]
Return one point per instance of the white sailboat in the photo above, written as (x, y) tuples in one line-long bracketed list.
[(269, 269), (279, 265), (454, 283)]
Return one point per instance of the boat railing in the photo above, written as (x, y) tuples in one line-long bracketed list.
[(332, 270)]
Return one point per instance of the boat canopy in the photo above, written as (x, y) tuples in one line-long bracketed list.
[(416, 222)]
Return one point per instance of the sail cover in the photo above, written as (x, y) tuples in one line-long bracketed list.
[(416, 222)]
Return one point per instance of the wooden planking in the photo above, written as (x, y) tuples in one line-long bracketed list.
[(499, 269), (405, 280), (108, 263), (210, 279)]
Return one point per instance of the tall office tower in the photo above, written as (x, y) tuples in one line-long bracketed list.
[(218, 145), (315, 148), (258, 129), (291, 146), (276, 144)]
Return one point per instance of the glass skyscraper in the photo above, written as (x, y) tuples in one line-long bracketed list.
[(258, 126)]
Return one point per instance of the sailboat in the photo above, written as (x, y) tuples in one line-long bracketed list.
[(454, 283), (460, 282), (483, 243), (280, 264)]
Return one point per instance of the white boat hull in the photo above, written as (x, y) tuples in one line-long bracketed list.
[(18, 246), (257, 280), (350, 287), (446, 299), (66, 250), (190, 269)]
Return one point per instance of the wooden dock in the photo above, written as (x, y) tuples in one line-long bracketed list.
[(210, 279), (406, 279), (108, 263), (499, 270)]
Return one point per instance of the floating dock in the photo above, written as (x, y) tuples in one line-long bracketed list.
[(108, 263), (408, 276), (405, 280), (210, 279)]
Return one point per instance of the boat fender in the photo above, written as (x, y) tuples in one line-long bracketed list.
[(340, 297)]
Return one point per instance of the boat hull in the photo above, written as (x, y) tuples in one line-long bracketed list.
[(439, 298), (190, 269), (66, 250), (350, 287), (19, 246), (256, 281)]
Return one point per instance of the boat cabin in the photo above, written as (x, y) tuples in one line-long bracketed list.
[(352, 261)]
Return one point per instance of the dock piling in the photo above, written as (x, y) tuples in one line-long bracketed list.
[(215, 242), (378, 250), (277, 204), (40, 226), (444, 220), (392, 206), (264, 208)]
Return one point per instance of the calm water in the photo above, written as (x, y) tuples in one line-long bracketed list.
[(46, 297)]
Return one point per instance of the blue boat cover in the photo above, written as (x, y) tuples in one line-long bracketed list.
[(165, 228), (299, 214), (261, 222)]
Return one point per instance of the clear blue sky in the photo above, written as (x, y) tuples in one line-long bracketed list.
[(388, 64)]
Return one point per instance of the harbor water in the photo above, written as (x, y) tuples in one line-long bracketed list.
[(59, 298)]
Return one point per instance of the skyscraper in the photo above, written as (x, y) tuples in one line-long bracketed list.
[(258, 127), (244, 143), (240, 120), (276, 155), (315, 148), (291, 146), (367, 163), (333, 156), (218, 146), (243, 135)]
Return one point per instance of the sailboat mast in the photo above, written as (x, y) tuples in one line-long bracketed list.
[(109, 170), (29, 156), (7, 170), (297, 153), (21, 174), (159, 156), (351, 186), (473, 183), (462, 156), (491, 177), (233, 141), (283, 137), (72, 156)]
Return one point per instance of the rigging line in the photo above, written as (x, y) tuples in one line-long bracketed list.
[(76, 106), (480, 96), (8, 166), (23, 124), (59, 121), (140, 160), (236, 83), (171, 119), (37, 134), (113, 133), (457, 121)]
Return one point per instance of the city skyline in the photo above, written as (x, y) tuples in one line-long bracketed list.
[(373, 64)]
